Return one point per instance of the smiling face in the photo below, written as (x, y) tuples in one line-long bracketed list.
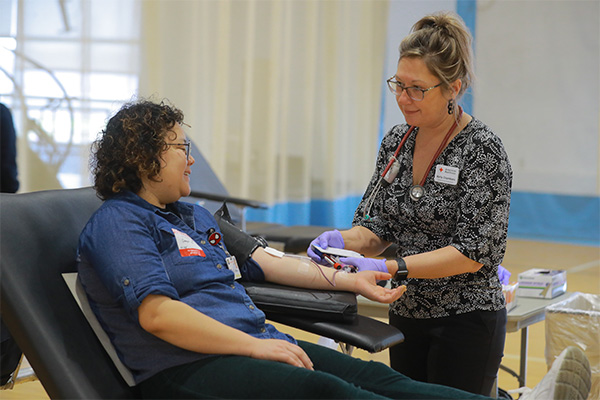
[(431, 112), (173, 181)]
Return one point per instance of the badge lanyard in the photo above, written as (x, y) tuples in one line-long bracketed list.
[(390, 172)]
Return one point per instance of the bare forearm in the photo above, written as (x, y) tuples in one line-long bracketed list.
[(179, 324), (298, 272), (363, 241), (447, 261), (306, 274)]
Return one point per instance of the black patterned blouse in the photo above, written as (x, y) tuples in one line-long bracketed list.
[(471, 215)]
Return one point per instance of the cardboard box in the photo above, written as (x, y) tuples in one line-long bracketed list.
[(542, 283)]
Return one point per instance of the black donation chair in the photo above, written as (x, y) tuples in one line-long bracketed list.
[(39, 232)]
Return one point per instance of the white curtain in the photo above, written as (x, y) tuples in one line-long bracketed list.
[(283, 97)]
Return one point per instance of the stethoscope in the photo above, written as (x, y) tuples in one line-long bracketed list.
[(387, 176), (416, 192)]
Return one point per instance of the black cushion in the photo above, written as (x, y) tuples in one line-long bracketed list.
[(39, 235), (325, 305)]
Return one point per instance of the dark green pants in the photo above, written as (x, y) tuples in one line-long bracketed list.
[(336, 376)]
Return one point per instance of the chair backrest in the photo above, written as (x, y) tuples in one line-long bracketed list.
[(39, 233)]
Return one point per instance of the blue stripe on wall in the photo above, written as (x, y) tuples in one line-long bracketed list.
[(562, 218), (338, 213), (534, 216), (467, 9)]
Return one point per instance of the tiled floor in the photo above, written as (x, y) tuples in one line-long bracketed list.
[(583, 275)]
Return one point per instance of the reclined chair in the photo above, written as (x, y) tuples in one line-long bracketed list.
[(39, 232)]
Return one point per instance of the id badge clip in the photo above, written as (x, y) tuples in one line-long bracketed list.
[(233, 266)]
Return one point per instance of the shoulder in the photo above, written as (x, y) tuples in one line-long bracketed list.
[(116, 214), (479, 138), (393, 136), (481, 134), (482, 149)]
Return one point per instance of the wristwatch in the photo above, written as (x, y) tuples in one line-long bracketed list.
[(402, 272)]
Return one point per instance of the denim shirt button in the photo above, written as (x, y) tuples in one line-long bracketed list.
[(203, 242), (262, 330), (126, 282), (219, 266), (232, 286), (251, 307)]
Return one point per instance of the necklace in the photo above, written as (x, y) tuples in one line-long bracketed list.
[(416, 192)]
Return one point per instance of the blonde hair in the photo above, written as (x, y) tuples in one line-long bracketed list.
[(443, 42)]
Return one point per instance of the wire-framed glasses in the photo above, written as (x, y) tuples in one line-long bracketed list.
[(415, 93), (187, 144)]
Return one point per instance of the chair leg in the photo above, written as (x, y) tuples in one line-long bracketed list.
[(346, 348), (19, 376)]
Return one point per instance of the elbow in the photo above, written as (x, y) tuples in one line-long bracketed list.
[(149, 316), (150, 323), (475, 266)]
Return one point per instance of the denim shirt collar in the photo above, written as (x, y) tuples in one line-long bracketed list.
[(185, 210)]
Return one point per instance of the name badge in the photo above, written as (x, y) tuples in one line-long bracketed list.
[(446, 174), (187, 246), (233, 266)]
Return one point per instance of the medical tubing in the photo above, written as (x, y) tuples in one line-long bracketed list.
[(317, 266), (381, 181), (394, 157), (371, 198)]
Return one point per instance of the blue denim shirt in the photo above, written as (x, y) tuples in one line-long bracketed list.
[(129, 250)]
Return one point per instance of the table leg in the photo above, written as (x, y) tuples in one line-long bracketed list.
[(523, 360)]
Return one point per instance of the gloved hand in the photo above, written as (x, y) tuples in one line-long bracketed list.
[(366, 264), (503, 275), (324, 240)]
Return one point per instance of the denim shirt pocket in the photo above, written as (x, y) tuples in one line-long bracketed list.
[(183, 269)]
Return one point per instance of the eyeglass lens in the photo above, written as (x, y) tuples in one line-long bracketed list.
[(413, 92)]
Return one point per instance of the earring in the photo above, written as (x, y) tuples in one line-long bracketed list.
[(451, 106)]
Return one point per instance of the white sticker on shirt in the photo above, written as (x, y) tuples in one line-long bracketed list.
[(187, 246), (446, 174)]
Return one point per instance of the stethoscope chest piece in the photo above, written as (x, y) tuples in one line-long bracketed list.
[(416, 192)]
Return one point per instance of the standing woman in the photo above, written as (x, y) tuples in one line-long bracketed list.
[(441, 193)]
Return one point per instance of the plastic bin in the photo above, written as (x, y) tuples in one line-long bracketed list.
[(576, 322)]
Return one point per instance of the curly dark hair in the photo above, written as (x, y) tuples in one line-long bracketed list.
[(129, 147)]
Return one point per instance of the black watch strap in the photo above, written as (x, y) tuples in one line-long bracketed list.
[(402, 272)]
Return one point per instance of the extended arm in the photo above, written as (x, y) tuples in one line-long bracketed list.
[(303, 273), (439, 263)]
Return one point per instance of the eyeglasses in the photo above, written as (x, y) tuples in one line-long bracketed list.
[(415, 93), (187, 144)]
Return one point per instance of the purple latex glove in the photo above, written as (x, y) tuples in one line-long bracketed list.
[(503, 275), (325, 240), (366, 264)]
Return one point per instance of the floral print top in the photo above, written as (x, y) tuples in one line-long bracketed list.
[(471, 215)]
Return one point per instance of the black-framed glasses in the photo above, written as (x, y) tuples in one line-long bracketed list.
[(415, 93), (187, 144)]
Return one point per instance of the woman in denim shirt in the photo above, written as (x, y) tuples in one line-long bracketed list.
[(164, 286)]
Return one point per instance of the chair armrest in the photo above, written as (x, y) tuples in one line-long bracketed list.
[(234, 200), (364, 332), (332, 314)]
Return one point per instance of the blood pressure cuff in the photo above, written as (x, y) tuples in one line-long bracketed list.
[(327, 305), (240, 245)]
